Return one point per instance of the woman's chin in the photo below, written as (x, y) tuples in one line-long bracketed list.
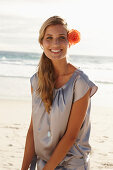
[(55, 57)]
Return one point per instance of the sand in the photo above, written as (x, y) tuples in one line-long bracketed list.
[(14, 121), (102, 138)]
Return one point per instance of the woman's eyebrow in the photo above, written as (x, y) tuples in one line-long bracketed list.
[(62, 34), (48, 34), (51, 34)]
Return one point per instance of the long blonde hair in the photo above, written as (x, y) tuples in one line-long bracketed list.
[(46, 79)]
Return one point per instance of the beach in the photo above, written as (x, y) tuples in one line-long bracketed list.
[(102, 138), (14, 121), (16, 108)]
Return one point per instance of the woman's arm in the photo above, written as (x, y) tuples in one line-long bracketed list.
[(76, 119), (29, 147)]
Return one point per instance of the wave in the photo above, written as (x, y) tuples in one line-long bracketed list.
[(18, 55), (28, 77), (18, 62), (23, 64), (104, 82), (9, 76)]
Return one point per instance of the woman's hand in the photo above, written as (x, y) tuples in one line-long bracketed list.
[(48, 167), (29, 148)]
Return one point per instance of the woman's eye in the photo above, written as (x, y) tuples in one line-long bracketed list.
[(49, 38), (62, 37)]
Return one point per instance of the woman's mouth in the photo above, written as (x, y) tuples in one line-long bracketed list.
[(56, 51)]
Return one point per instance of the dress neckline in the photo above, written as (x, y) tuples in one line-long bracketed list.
[(56, 89)]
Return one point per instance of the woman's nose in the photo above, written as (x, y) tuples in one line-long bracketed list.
[(56, 41)]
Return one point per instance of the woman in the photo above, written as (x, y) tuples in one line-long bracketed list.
[(61, 96)]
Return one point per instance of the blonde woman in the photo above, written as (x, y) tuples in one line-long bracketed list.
[(61, 99)]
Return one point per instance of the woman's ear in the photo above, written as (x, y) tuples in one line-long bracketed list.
[(41, 46), (68, 45)]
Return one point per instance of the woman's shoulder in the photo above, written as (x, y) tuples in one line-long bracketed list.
[(35, 75), (82, 75), (83, 84), (83, 79), (34, 80), (76, 69)]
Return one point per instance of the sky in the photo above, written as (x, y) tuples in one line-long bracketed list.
[(20, 21)]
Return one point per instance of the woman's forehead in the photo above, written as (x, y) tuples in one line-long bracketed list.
[(56, 29)]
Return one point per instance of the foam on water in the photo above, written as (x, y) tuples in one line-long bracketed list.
[(16, 64), (16, 69)]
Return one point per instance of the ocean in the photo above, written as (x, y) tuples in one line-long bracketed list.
[(16, 68)]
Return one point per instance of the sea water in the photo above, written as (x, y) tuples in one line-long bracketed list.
[(16, 68)]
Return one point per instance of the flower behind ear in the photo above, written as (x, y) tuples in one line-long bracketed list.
[(73, 37)]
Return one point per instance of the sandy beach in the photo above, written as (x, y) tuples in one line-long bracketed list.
[(14, 121), (102, 138)]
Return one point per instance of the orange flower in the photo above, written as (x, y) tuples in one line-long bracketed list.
[(73, 37)]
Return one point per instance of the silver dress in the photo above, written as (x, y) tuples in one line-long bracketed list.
[(49, 129)]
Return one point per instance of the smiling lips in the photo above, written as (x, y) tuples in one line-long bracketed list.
[(56, 51)]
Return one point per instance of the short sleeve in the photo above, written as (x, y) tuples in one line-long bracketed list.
[(34, 81), (31, 81), (81, 87)]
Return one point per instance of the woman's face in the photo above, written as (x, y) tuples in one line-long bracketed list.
[(55, 42)]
